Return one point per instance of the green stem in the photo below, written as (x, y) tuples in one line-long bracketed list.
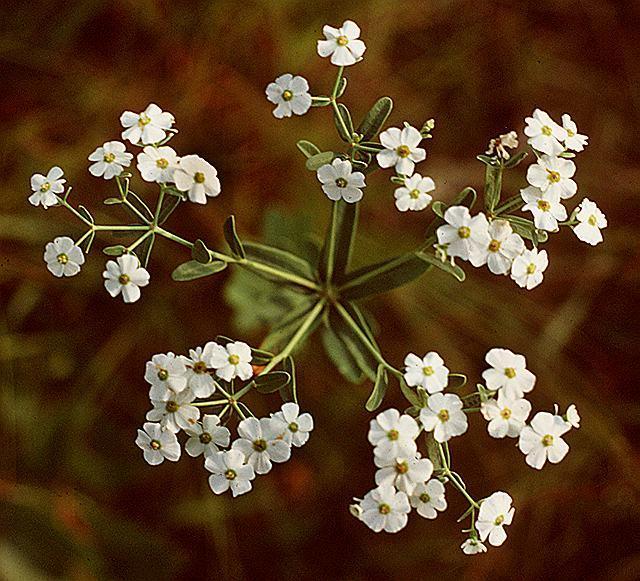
[(110, 228), (336, 85), (83, 237), (454, 479), (210, 403), (514, 202), (139, 241)]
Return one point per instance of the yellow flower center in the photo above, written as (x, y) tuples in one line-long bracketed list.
[(163, 374), (124, 279), (547, 440), (260, 445), (109, 157), (393, 435), (510, 372), (342, 40), (45, 187), (234, 359), (205, 438), (162, 163), (198, 177), (293, 427), (402, 467), (531, 268), (155, 445), (505, 413), (287, 95), (403, 151), (494, 246), (62, 258), (199, 367), (424, 497), (592, 220), (499, 520), (144, 120), (230, 474), (546, 130), (570, 133), (172, 407), (384, 508), (553, 177), (544, 205), (443, 415), (428, 370), (464, 232), (341, 183), (414, 194)]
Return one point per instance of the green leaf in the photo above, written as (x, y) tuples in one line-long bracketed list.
[(342, 87), (278, 258), (200, 252), (192, 270), (86, 214), (168, 206), (515, 160), (457, 380), (112, 201), (273, 381), (354, 344), (455, 271), (379, 390), (231, 236), (287, 327), (526, 229), (345, 129), (117, 250), (338, 246), (375, 118), (143, 252), (340, 356), (315, 162), (137, 202), (439, 208), (488, 159), (320, 101), (307, 148), (88, 241), (492, 187), (409, 394), (289, 392)]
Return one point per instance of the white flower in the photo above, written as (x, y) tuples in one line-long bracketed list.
[(473, 547), (384, 508), (110, 160), (527, 268), (63, 257), (46, 187), (573, 417), (413, 195), (393, 434), (260, 444), (173, 411), (197, 364), (546, 208), (342, 44), (165, 372), (147, 127), (157, 164), (293, 426), (157, 444), (542, 441), (499, 145), (339, 181), (574, 140), (465, 237), (553, 176), (429, 372), (290, 94), (207, 437), (428, 497), (402, 473), (197, 177), (504, 245), (444, 416), (506, 415), (401, 149), (508, 373), (232, 361), (591, 221), (495, 513), (544, 133), (125, 276), (229, 472)]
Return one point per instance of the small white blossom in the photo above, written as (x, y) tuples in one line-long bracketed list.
[(465, 237), (504, 245), (342, 44), (495, 513), (429, 372), (401, 149), (508, 373), (207, 437), (174, 412), (196, 369), (506, 416), (574, 140), (544, 133), (125, 276), (591, 221), (546, 208), (553, 176), (393, 435), (339, 181), (46, 187), (63, 257), (414, 194), (197, 177), (527, 269), (573, 417), (542, 440), (473, 547), (402, 473), (444, 416), (229, 471), (500, 145), (290, 94), (157, 444), (384, 508), (165, 372), (157, 164), (147, 127), (428, 498), (293, 426), (110, 160), (260, 444), (232, 361)]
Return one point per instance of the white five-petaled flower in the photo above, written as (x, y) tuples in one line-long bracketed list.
[(414, 194), (444, 416), (546, 208), (574, 140), (385, 508), (260, 443), (207, 437), (542, 440), (506, 416), (473, 547), (429, 372), (508, 373), (63, 257), (196, 368), (46, 187), (232, 361), (125, 276), (393, 435), (174, 412), (157, 164), (402, 473), (293, 426), (110, 160), (165, 372), (544, 133), (290, 94), (573, 417), (401, 149), (147, 127), (527, 269), (428, 498), (157, 444), (553, 176), (229, 471), (591, 220), (495, 513), (504, 245), (342, 44), (465, 237), (339, 181), (197, 177)]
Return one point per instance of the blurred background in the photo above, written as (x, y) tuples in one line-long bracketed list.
[(77, 500)]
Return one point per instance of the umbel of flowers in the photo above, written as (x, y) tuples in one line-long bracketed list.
[(204, 396)]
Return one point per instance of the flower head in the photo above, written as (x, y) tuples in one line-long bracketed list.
[(506, 416), (500, 145), (385, 508), (429, 372), (393, 435), (197, 177), (342, 44), (504, 245), (63, 257), (232, 361), (574, 140), (591, 220), (339, 181), (508, 373), (495, 513), (444, 416), (110, 160), (206, 437), (157, 164), (527, 268), (473, 547), (290, 94), (125, 276), (174, 412), (544, 133), (293, 426), (573, 417), (46, 187), (465, 237), (402, 473), (197, 369), (542, 440), (165, 372), (147, 127), (229, 472), (157, 444), (414, 194), (401, 149), (553, 176), (546, 208), (260, 443), (428, 498)]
